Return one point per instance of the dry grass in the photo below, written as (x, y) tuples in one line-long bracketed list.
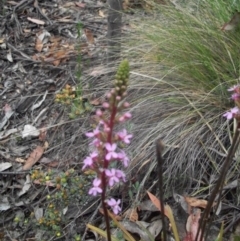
[(182, 65)]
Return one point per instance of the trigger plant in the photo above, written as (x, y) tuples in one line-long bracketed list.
[(107, 144)]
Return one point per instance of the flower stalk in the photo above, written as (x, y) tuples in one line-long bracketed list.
[(106, 144)]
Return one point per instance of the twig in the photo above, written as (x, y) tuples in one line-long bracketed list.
[(159, 150), (41, 12)]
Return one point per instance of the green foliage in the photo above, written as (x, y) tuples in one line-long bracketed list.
[(193, 46), (69, 188), (72, 96)]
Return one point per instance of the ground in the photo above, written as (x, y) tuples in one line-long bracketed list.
[(53, 77), (47, 47)]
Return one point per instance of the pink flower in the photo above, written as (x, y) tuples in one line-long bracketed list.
[(125, 116), (112, 176), (95, 189), (230, 114), (95, 133), (234, 88), (114, 205), (235, 96), (105, 105), (121, 175), (88, 161), (99, 113), (123, 157), (96, 142), (111, 151), (124, 136), (126, 104)]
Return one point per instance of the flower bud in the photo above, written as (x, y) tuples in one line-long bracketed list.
[(105, 105)]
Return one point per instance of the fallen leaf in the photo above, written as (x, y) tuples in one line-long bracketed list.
[(9, 56), (117, 217), (12, 3), (4, 204), (26, 186), (89, 35), (233, 23), (68, 4), (95, 101), (4, 166), (30, 130), (19, 160), (81, 5), (181, 199), (27, 30), (192, 225), (98, 71), (65, 19), (155, 227), (8, 113), (101, 14), (33, 158), (131, 214), (138, 229), (46, 145), (125, 4), (39, 103), (43, 134), (38, 212), (37, 21), (147, 205), (194, 202), (39, 45), (47, 183)]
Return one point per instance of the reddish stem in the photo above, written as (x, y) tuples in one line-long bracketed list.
[(103, 177)]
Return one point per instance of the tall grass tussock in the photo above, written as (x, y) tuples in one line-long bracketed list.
[(182, 66)]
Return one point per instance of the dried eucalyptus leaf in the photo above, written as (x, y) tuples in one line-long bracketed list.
[(26, 186), (4, 166), (38, 212)]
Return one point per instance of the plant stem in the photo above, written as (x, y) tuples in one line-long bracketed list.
[(105, 211), (159, 150)]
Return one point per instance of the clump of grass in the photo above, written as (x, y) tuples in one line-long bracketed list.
[(184, 65)]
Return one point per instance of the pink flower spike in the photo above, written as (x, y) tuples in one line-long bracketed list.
[(114, 205), (112, 176), (230, 114), (88, 161), (124, 136), (93, 134), (111, 151), (124, 158), (95, 189)]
